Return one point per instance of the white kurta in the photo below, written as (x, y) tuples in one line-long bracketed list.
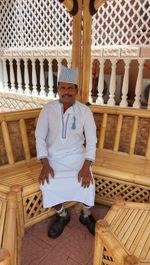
[(60, 137)]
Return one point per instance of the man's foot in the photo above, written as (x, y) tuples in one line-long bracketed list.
[(57, 227), (89, 221)]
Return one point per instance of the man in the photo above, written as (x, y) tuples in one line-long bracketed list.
[(64, 127)]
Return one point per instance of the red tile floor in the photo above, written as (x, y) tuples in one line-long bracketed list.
[(74, 247)]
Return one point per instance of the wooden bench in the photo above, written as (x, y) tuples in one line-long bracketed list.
[(19, 169), (123, 237), (122, 167)]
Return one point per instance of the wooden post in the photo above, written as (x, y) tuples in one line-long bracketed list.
[(4, 257), (10, 228), (76, 45), (87, 40)]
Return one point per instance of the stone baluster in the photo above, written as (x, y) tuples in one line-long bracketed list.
[(6, 88), (19, 79), (125, 86), (59, 69), (34, 78), (90, 83), (139, 83), (1, 77), (12, 77), (50, 79), (26, 77), (112, 86), (99, 99), (42, 78), (69, 62)]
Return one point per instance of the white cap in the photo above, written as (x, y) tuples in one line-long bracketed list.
[(68, 75)]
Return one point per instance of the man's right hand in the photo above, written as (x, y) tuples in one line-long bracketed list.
[(46, 171)]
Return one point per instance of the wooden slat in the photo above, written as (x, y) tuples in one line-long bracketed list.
[(139, 235), (24, 139), (148, 147), (118, 130), (103, 131), (144, 237), (7, 143), (137, 227), (17, 115), (146, 249), (124, 111), (133, 135)]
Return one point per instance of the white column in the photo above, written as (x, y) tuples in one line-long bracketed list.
[(34, 79), (139, 83), (125, 85), (69, 62), (26, 77), (59, 69), (6, 88), (42, 78), (90, 83), (99, 99), (12, 77), (1, 77), (19, 79), (112, 86), (50, 79), (58, 73)]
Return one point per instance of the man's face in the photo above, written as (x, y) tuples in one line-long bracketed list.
[(67, 92)]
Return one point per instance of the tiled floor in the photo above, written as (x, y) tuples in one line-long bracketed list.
[(74, 247)]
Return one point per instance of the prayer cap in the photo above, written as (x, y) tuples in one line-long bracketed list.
[(68, 75)]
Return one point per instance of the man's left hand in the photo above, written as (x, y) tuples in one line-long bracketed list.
[(85, 176)]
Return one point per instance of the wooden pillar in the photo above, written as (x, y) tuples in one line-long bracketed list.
[(87, 41), (76, 45)]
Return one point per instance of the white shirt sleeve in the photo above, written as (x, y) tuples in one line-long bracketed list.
[(90, 136), (41, 134)]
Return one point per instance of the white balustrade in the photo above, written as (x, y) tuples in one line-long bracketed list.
[(12, 77), (34, 78), (19, 79), (26, 77), (1, 77), (6, 88), (42, 79), (90, 85), (112, 87), (125, 86), (50, 79), (99, 99), (138, 87)]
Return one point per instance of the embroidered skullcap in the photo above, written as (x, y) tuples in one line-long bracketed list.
[(68, 75)]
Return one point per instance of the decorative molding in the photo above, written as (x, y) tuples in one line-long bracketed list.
[(64, 53), (111, 52), (130, 52), (97, 52)]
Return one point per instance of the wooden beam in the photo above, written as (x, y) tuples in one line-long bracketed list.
[(76, 45), (87, 40)]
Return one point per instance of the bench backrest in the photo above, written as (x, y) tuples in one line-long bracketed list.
[(118, 129), (123, 130), (17, 139)]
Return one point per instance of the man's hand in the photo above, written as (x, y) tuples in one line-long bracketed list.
[(84, 175), (46, 171)]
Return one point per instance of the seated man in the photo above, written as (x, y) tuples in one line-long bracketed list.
[(63, 127)]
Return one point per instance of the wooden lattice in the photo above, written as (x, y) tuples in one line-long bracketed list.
[(107, 259), (110, 188), (33, 206)]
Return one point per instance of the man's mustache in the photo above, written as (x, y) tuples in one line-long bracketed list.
[(66, 95)]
